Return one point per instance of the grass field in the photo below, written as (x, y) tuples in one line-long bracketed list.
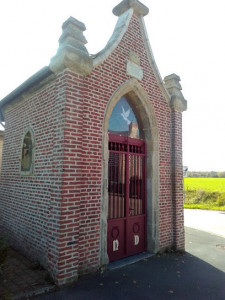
[(204, 193)]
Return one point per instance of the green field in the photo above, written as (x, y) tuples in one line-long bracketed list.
[(204, 193), (207, 184)]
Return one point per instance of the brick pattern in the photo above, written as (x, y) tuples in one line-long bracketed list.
[(1, 146), (177, 181), (54, 215), (25, 199)]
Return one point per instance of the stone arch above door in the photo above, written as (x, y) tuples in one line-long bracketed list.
[(139, 101)]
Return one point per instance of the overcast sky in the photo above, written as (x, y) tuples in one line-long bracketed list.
[(187, 38)]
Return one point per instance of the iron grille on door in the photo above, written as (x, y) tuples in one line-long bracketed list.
[(126, 194)]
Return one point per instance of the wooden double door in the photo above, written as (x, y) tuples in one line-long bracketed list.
[(126, 233)]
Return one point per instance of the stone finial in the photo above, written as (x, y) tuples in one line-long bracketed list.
[(72, 52), (139, 8), (174, 88)]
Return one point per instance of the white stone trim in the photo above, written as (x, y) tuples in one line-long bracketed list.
[(120, 29)]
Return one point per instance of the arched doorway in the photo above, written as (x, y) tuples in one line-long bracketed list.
[(147, 134), (126, 233)]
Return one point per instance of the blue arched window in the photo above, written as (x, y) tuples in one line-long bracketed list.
[(123, 120)]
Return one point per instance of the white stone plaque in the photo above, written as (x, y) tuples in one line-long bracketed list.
[(134, 70)]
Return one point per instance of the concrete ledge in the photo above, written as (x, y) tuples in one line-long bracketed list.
[(128, 260)]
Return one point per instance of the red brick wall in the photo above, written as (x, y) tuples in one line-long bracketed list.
[(55, 213), (25, 200), (177, 181)]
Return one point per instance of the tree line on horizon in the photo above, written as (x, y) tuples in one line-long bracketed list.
[(201, 174)]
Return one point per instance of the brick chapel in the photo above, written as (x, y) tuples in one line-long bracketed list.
[(92, 156)]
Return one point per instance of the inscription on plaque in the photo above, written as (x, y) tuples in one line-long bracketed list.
[(134, 70)]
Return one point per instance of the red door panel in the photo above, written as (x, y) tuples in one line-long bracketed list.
[(126, 194), (135, 235), (116, 243)]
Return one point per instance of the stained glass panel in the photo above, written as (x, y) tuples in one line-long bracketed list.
[(122, 120)]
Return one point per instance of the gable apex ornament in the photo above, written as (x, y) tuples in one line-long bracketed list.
[(139, 8)]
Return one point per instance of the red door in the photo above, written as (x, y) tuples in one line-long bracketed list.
[(126, 194)]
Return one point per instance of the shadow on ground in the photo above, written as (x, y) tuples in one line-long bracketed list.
[(21, 278), (199, 274), (168, 276)]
